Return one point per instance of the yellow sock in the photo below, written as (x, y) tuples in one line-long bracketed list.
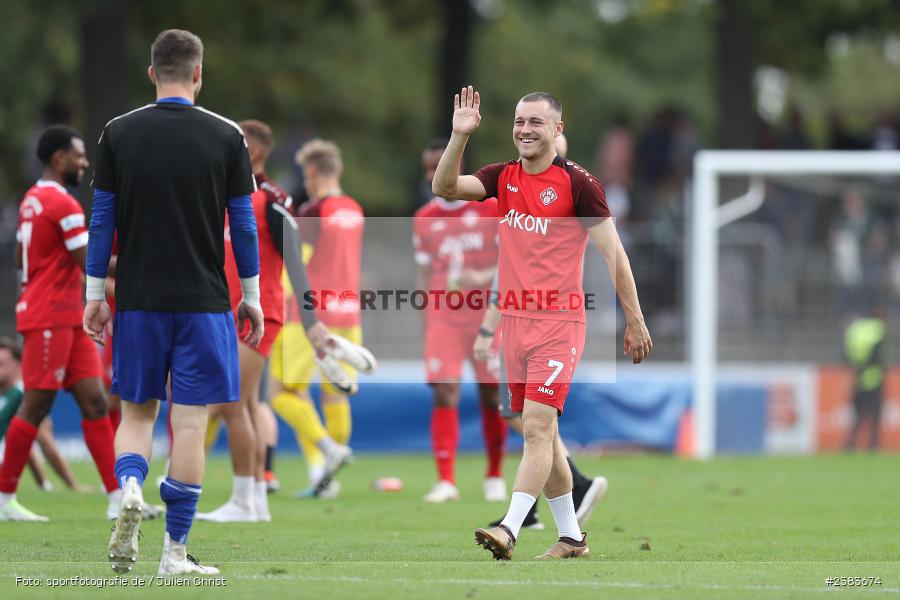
[(337, 420), (301, 415), (314, 457), (213, 426)]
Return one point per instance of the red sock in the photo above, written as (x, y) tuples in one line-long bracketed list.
[(494, 429), (98, 435), (444, 439), (115, 417), (19, 438)]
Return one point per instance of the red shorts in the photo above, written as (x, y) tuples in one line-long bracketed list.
[(447, 346), (540, 357), (268, 339), (58, 358)]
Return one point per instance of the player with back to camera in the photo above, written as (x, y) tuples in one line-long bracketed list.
[(57, 354), (550, 207), (170, 167)]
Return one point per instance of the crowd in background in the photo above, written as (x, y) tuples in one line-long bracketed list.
[(838, 239)]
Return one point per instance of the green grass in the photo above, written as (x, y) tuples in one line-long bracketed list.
[(729, 528)]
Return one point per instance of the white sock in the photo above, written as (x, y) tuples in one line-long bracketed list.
[(316, 472), (328, 445), (519, 505), (563, 510), (5, 497), (261, 498), (242, 491)]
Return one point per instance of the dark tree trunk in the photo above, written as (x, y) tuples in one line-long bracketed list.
[(453, 58), (738, 121), (104, 66)]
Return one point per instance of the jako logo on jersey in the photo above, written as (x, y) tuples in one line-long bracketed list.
[(548, 196), (545, 390), (526, 222), (512, 188)]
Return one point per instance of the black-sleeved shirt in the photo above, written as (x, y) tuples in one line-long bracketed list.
[(173, 167)]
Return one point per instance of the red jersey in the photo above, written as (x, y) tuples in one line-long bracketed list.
[(268, 207), (334, 225), (451, 236), (543, 236), (51, 224)]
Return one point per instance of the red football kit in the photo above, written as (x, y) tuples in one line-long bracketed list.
[(450, 236), (56, 351), (269, 202), (543, 220), (334, 225)]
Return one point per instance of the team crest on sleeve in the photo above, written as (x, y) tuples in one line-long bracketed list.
[(548, 196)]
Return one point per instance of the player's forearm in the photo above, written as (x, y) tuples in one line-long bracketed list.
[(245, 245), (296, 272), (491, 318), (19, 255), (446, 176), (626, 288), (606, 240), (100, 242)]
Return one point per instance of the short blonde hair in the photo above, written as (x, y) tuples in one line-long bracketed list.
[(325, 155)]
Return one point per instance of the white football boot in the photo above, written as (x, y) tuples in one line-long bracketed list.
[(11, 510), (495, 489), (123, 544), (176, 561), (591, 499), (230, 512), (443, 491)]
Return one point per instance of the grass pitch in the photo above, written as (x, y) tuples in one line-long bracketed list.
[(729, 528)]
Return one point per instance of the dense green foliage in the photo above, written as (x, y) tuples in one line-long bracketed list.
[(365, 72)]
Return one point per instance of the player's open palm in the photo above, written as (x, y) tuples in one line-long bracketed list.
[(97, 318), (637, 341), (245, 313), (466, 117)]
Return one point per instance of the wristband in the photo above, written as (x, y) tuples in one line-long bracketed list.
[(485, 332), (250, 291), (95, 288)]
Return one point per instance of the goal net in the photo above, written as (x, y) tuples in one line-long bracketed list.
[(793, 274)]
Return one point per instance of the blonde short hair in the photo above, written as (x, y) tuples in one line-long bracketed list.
[(324, 155)]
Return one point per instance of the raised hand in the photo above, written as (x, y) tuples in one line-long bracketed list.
[(466, 117)]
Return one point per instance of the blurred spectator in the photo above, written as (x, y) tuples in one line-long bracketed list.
[(794, 136), (431, 155), (849, 240), (614, 166), (885, 136), (864, 352), (839, 137)]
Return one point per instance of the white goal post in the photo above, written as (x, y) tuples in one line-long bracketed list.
[(707, 216)]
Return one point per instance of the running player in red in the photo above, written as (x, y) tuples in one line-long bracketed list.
[(456, 249), (57, 354), (246, 437), (549, 208)]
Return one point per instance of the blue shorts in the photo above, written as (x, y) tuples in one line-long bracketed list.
[(199, 350)]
